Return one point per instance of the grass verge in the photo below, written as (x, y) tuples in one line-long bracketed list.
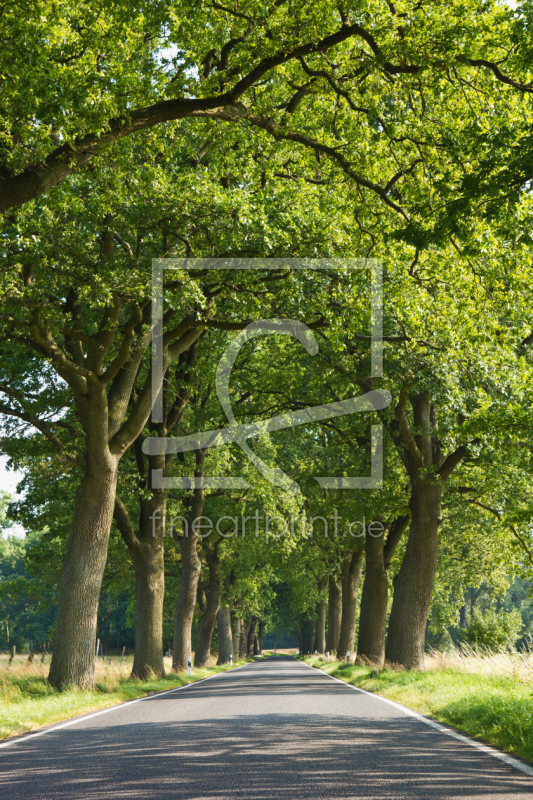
[(28, 701), (497, 709)]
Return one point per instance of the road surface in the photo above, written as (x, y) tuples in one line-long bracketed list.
[(273, 729)]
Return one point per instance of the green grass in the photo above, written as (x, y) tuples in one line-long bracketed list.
[(28, 701), (498, 709)]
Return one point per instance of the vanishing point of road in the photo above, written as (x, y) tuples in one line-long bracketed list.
[(275, 728)]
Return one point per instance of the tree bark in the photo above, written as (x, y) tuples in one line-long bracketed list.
[(73, 657), (149, 565), (428, 470), (334, 615), (350, 576), (225, 639), (373, 612), (251, 636), (320, 636), (236, 624), (312, 634), (243, 637), (183, 617), (148, 556), (260, 635), (189, 575), (207, 622), (414, 583)]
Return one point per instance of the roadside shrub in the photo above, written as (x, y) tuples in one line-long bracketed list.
[(493, 630)]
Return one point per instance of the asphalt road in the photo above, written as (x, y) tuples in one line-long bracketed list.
[(270, 729)]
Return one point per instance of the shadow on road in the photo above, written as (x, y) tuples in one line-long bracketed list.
[(254, 756)]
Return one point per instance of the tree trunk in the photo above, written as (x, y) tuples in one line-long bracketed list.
[(260, 636), (350, 576), (147, 553), (373, 613), (149, 564), (236, 625), (307, 635), (334, 615), (251, 636), (189, 575), (414, 584), (428, 470), (243, 637), (206, 626), (312, 634), (148, 556), (225, 639), (183, 617), (320, 636), (73, 658)]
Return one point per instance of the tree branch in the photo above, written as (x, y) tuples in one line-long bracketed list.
[(125, 525), (39, 178), (511, 527), (125, 346), (239, 110), (481, 62), (405, 428), (396, 339), (396, 532), (142, 408), (43, 427), (123, 243), (452, 461)]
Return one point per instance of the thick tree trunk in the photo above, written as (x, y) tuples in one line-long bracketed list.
[(414, 584), (73, 658), (147, 552), (320, 636), (334, 615), (350, 576), (148, 555), (149, 564), (225, 639), (207, 623), (251, 636), (428, 471), (183, 617), (373, 613), (189, 575)]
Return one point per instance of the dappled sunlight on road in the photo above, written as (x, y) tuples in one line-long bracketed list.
[(272, 729)]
